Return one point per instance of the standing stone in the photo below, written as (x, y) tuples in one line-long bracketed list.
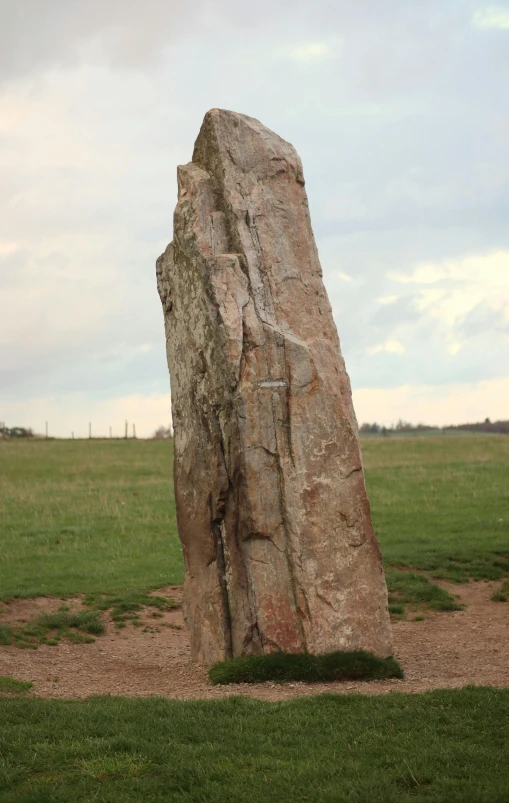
[(272, 509)]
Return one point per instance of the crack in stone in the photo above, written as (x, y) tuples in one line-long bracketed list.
[(355, 470), (324, 599), (218, 531)]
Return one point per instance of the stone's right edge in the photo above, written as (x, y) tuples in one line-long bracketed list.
[(272, 508)]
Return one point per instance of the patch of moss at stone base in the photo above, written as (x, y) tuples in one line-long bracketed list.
[(283, 667)]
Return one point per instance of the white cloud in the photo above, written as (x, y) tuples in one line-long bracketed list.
[(7, 248), (460, 285), (390, 346), (312, 51), (423, 274), (489, 270), (436, 406), (454, 348), (450, 306), (492, 17)]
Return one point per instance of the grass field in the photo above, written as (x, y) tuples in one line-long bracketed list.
[(441, 503), (98, 517), (87, 516), (440, 746)]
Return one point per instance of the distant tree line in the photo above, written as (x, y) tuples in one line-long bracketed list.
[(164, 433), (15, 432), (486, 426), (401, 426), (501, 427)]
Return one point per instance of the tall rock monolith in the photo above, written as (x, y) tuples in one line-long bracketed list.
[(272, 509)]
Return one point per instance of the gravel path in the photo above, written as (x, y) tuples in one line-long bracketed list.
[(446, 650)]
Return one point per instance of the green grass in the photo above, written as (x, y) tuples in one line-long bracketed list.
[(408, 588), (502, 594), (13, 686), (99, 516), (49, 628), (287, 667), (441, 504), (74, 625), (87, 621), (127, 605), (440, 746), (86, 516)]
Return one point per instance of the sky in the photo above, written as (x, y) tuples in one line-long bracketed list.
[(400, 113)]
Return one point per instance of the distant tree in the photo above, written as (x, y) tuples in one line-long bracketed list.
[(371, 429), (163, 433), (15, 432), (403, 426)]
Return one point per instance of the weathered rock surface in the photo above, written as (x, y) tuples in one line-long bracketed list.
[(272, 509)]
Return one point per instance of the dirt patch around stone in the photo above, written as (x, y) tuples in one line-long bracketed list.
[(445, 650)]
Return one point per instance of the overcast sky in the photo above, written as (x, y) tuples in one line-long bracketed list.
[(400, 112)]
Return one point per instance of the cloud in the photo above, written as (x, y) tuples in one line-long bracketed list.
[(491, 270), (395, 311), (395, 112), (6, 249), (460, 286), (427, 404), (390, 346), (387, 299), (437, 323), (311, 51), (492, 17), (56, 33)]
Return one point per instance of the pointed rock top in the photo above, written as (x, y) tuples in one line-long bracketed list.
[(229, 139)]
